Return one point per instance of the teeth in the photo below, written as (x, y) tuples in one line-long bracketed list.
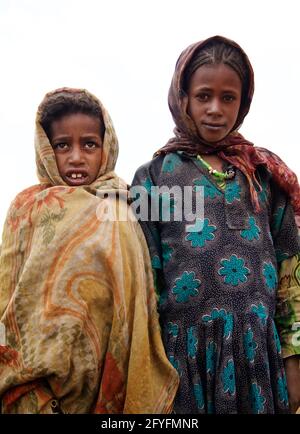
[(76, 175)]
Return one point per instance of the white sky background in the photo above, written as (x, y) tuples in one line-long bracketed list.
[(124, 51)]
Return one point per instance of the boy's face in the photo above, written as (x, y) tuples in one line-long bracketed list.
[(77, 146), (214, 98)]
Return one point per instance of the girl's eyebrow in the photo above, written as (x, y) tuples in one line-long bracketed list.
[(203, 87), (207, 88)]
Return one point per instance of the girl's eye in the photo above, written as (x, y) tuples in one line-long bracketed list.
[(228, 98), (203, 96)]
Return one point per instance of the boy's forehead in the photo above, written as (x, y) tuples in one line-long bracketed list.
[(79, 122)]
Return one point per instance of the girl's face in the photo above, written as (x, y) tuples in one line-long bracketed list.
[(77, 144), (213, 100)]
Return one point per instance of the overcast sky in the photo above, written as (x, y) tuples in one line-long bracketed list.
[(124, 51)]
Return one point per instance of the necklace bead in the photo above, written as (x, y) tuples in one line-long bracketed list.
[(220, 175)]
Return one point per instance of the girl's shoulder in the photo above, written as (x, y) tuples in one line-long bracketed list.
[(160, 165)]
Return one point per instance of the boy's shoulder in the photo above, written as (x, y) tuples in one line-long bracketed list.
[(27, 195)]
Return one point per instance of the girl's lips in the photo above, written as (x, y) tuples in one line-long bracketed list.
[(213, 127)]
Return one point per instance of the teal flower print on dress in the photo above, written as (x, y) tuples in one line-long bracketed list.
[(201, 232), (198, 393), (253, 232), (210, 407), (257, 399), (211, 358), (232, 191), (227, 317), (192, 342), (214, 314), (163, 297), (249, 345), (263, 193), (234, 270), (156, 263), (280, 255), (270, 275), (277, 219), (173, 329), (175, 363), (282, 389), (186, 287), (147, 184), (228, 378), (171, 161), (261, 312), (276, 338), (228, 326), (166, 252), (209, 189), (166, 206)]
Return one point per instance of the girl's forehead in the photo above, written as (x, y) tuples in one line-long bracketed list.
[(216, 74)]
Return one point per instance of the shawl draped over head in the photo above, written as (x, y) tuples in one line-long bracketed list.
[(79, 331), (234, 148)]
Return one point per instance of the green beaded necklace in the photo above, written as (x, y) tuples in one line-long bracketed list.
[(221, 176)]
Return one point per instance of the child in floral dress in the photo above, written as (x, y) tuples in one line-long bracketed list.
[(229, 280)]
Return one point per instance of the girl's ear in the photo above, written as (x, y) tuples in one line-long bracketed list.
[(185, 103)]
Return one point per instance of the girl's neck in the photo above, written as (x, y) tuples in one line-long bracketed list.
[(214, 161)]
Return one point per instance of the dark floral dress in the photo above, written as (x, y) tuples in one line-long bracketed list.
[(217, 277)]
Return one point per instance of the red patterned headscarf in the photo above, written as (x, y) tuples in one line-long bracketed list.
[(234, 148)]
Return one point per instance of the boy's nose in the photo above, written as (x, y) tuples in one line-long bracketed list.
[(76, 156)]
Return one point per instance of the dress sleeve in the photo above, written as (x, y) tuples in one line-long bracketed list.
[(143, 179), (283, 226)]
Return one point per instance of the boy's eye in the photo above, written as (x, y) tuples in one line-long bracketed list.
[(63, 146), (90, 145)]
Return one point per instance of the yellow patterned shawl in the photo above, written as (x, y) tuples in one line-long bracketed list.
[(79, 327)]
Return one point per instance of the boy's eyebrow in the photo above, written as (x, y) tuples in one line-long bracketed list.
[(89, 135), (61, 136), (66, 136)]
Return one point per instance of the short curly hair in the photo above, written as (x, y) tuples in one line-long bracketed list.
[(67, 101)]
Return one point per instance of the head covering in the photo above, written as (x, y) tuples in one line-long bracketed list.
[(234, 148), (78, 308)]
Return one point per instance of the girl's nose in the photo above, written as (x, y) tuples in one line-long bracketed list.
[(214, 108)]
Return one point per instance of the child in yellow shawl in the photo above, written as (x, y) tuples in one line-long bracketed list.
[(79, 329)]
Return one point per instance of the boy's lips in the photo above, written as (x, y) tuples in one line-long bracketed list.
[(76, 176)]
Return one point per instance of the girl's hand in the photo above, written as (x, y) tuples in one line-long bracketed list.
[(292, 371)]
